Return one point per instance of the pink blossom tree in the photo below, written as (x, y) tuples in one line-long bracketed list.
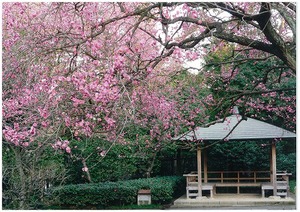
[(73, 70), (66, 64)]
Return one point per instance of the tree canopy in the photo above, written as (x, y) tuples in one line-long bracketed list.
[(116, 72), (77, 66)]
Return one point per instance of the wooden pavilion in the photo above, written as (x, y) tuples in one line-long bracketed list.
[(236, 128)]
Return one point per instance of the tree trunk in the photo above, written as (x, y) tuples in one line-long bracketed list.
[(149, 170), (87, 171), (22, 194), (175, 164), (179, 162), (280, 48)]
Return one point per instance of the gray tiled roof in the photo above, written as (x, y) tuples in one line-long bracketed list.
[(246, 129)]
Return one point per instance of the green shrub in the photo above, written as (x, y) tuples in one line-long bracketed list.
[(293, 186), (163, 190), (118, 163)]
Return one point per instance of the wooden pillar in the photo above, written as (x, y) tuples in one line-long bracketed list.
[(175, 164), (271, 164), (205, 165), (274, 177), (199, 171), (179, 162)]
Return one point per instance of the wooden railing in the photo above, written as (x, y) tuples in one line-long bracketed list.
[(237, 179), (238, 176), (231, 176)]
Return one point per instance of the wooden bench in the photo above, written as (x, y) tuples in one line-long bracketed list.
[(282, 188), (193, 186), (211, 187), (282, 184), (237, 179), (265, 186)]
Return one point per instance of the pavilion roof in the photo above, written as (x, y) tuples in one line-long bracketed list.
[(235, 128)]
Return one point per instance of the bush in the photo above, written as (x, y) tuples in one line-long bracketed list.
[(293, 186), (163, 190), (118, 163)]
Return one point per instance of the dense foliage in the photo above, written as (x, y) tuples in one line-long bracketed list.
[(121, 162), (252, 156), (26, 178), (163, 190), (259, 90), (90, 163)]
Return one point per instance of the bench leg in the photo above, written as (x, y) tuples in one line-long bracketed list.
[(187, 193), (211, 193), (262, 193)]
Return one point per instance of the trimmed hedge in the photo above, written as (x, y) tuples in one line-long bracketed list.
[(163, 190)]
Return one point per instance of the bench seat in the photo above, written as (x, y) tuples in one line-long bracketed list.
[(238, 184), (193, 186), (211, 187), (280, 186)]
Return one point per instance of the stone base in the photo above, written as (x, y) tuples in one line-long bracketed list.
[(201, 198), (225, 200), (274, 197)]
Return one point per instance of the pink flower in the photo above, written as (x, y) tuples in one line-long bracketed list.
[(16, 126), (67, 121), (103, 153), (25, 144), (64, 146), (58, 143), (77, 102), (44, 113), (85, 169), (110, 122), (44, 124), (263, 145), (32, 131), (68, 150)]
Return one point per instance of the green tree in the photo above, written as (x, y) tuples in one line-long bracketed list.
[(263, 89), (26, 178)]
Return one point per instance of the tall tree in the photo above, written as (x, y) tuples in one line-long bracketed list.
[(262, 27), (82, 69), (55, 52)]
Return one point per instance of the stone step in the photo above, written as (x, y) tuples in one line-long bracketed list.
[(282, 193), (225, 200), (193, 194)]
